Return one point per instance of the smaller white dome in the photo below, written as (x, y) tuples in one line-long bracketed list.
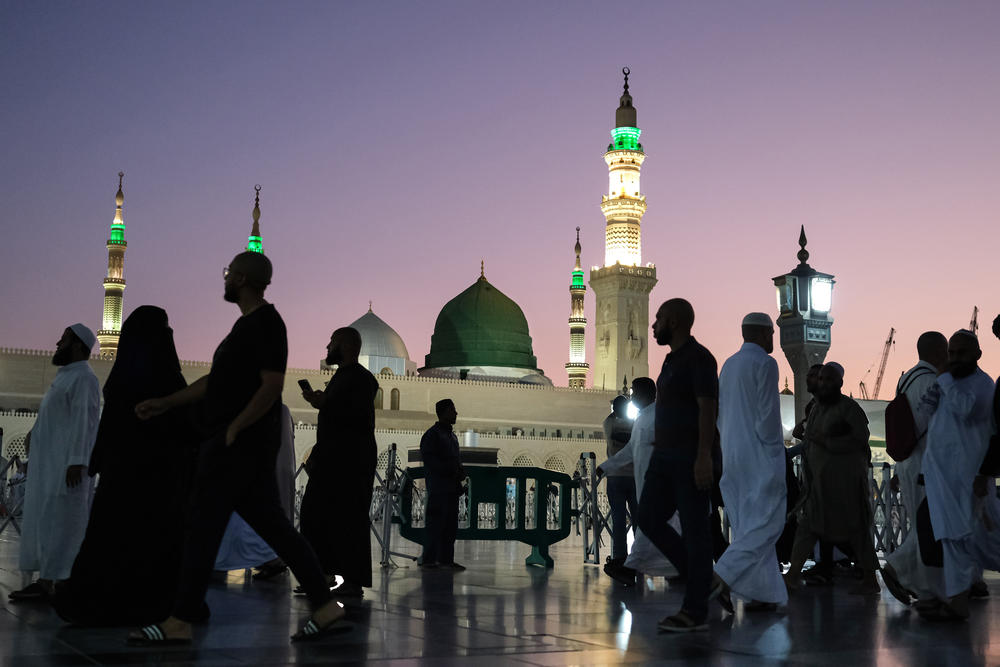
[(378, 339)]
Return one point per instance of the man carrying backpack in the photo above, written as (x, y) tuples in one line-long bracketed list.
[(904, 573)]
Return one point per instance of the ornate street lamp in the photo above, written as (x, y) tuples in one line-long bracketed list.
[(805, 297)]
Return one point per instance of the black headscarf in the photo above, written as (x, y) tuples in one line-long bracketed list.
[(146, 366)]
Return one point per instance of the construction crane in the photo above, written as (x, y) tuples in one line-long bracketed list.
[(885, 357), (974, 322), (889, 342)]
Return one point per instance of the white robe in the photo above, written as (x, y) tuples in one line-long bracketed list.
[(644, 556), (925, 581), (55, 516), (753, 474), (961, 421)]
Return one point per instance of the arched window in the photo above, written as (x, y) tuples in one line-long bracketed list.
[(378, 399), (555, 462), (394, 399), (523, 461)]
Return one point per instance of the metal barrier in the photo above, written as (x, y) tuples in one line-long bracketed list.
[(593, 519), (11, 496), (387, 507), (889, 514), (520, 491)]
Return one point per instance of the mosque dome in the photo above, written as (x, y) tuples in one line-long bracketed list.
[(378, 339), (381, 347), (481, 328)]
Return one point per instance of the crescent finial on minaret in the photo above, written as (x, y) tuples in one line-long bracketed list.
[(120, 195), (256, 208)]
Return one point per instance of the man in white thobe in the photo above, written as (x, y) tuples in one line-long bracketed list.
[(753, 469), (644, 556), (57, 497), (960, 406), (904, 572)]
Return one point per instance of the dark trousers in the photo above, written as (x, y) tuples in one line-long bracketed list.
[(670, 487), (240, 478), (442, 526), (334, 518), (621, 494)]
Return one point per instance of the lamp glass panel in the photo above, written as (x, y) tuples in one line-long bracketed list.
[(822, 295)]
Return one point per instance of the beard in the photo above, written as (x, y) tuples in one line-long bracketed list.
[(663, 336), (230, 294), (961, 370), (332, 359), (63, 356)]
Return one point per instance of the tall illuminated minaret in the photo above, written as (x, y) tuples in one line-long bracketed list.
[(577, 366), (623, 284), (114, 283), (254, 242)]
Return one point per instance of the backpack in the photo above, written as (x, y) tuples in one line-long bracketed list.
[(900, 430)]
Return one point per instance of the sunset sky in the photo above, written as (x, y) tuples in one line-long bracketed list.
[(398, 144)]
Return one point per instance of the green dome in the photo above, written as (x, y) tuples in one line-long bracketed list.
[(481, 327)]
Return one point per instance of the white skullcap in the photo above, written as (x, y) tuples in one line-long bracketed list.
[(837, 367), (85, 335), (758, 320)]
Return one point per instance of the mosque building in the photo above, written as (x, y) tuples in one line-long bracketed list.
[(480, 355)]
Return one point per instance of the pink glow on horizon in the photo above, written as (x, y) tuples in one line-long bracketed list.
[(398, 145)]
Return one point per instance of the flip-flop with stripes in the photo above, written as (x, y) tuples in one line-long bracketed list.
[(312, 631), (153, 635)]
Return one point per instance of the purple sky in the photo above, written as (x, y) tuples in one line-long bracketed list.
[(400, 143)]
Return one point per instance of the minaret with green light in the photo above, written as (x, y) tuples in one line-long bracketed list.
[(114, 283), (254, 242), (577, 366), (623, 284)]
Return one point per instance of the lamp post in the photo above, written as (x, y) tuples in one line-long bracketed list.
[(805, 297)]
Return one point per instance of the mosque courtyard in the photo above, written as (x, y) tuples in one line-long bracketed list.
[(500, 612)]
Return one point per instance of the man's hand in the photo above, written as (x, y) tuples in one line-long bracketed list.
[(314, 398), (799, 431), (703, 477), (151, 408), (74, 474), (231, 433)]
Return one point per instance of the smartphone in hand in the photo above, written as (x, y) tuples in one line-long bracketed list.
[(304, 384)]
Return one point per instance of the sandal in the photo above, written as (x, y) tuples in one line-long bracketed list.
[(312, 630), (153, 635), (681, 622)]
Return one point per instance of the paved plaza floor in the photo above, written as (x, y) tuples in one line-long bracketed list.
[(501, 612)]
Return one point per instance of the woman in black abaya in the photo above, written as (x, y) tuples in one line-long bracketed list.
[(126, 570)]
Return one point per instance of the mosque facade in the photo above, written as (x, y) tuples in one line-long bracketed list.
[(480, 354)]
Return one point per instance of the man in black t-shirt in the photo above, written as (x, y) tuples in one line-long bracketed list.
[(680, 473), (240, 401)]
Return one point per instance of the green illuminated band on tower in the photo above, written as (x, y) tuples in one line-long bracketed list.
[(255, 244), (625, 138), (117, 232), (578, 280)]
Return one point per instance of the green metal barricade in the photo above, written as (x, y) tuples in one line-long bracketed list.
[(529, 505)]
